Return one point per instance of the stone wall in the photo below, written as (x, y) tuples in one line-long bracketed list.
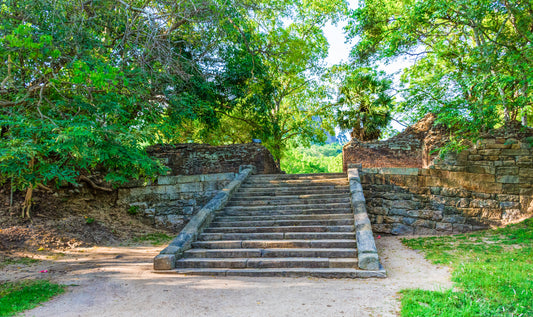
[(410, 148), (193, 159), (172, 200), (489, 184)]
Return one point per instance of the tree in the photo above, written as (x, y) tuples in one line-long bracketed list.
[(365, 104), (473, 60), (85, 85), (286, 98)]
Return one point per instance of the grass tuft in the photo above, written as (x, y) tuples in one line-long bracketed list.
[(20, 296), (16, 261), (154, 238), (493, 270)]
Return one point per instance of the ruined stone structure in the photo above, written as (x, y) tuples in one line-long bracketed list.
[(411, 148), (197, 173), (491, 183), (194, 159)]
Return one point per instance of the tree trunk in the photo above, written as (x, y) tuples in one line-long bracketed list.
[(524, 120), (26, 206)]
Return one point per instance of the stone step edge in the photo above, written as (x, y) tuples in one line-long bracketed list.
[(242, 197), (301, 175), (333, 262), (223, 218), (282, 272)]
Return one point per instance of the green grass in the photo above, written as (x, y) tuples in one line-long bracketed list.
[(20, 296), (16, 261), (492, 272), (154, 238)]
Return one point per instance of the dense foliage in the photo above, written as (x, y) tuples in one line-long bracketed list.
[(472, 59), (86, 85)]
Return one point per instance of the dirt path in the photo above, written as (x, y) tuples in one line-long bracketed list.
[(119, 282)]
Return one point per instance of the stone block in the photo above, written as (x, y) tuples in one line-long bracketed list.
[(470, 212), (453, 219), (498, 146), (480, 169), (165, 262), (508, 179), (483, 203), (516, 152), (443, 226), (509, 205), (526, 172), (425, 231), (401, 229), (490, 152), (491, 214), (424, 223), (408, 220), (507, 170), (392, 219), (461, 227), (510, 215), (378, 210), (368, 261), (382, 228)]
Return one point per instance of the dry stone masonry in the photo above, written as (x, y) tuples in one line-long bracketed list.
[(197, 172), (171, 201), (489, 184)]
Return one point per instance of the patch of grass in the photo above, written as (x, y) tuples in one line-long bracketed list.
[(17, 261), (20, 296), (493, 270), (154, 238)]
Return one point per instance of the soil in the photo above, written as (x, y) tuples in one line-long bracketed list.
[(119, 281), (66, 219)]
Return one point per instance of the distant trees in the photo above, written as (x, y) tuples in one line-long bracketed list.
[(365, 103)]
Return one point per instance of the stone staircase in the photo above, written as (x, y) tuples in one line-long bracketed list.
[(280, 225)]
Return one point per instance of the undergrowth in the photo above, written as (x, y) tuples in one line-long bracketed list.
[(492, 271)]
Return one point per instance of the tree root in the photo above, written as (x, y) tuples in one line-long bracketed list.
[(93, 185)]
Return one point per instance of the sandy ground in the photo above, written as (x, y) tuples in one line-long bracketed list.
[(119, 282)]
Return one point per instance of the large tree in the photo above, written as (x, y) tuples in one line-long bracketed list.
[(286, 98), (473, 60), (85, 85)]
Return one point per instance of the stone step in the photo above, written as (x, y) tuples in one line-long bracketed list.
[(223, 218), (238, 263), (277, 223), (278, 213), (283, 272), (261, 192), (330, 206), (286, 202), (244, 198), (276, 235), (272, 253), (299, 176), (269, 244), (294, 183), (293, 190), (280, 229)]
